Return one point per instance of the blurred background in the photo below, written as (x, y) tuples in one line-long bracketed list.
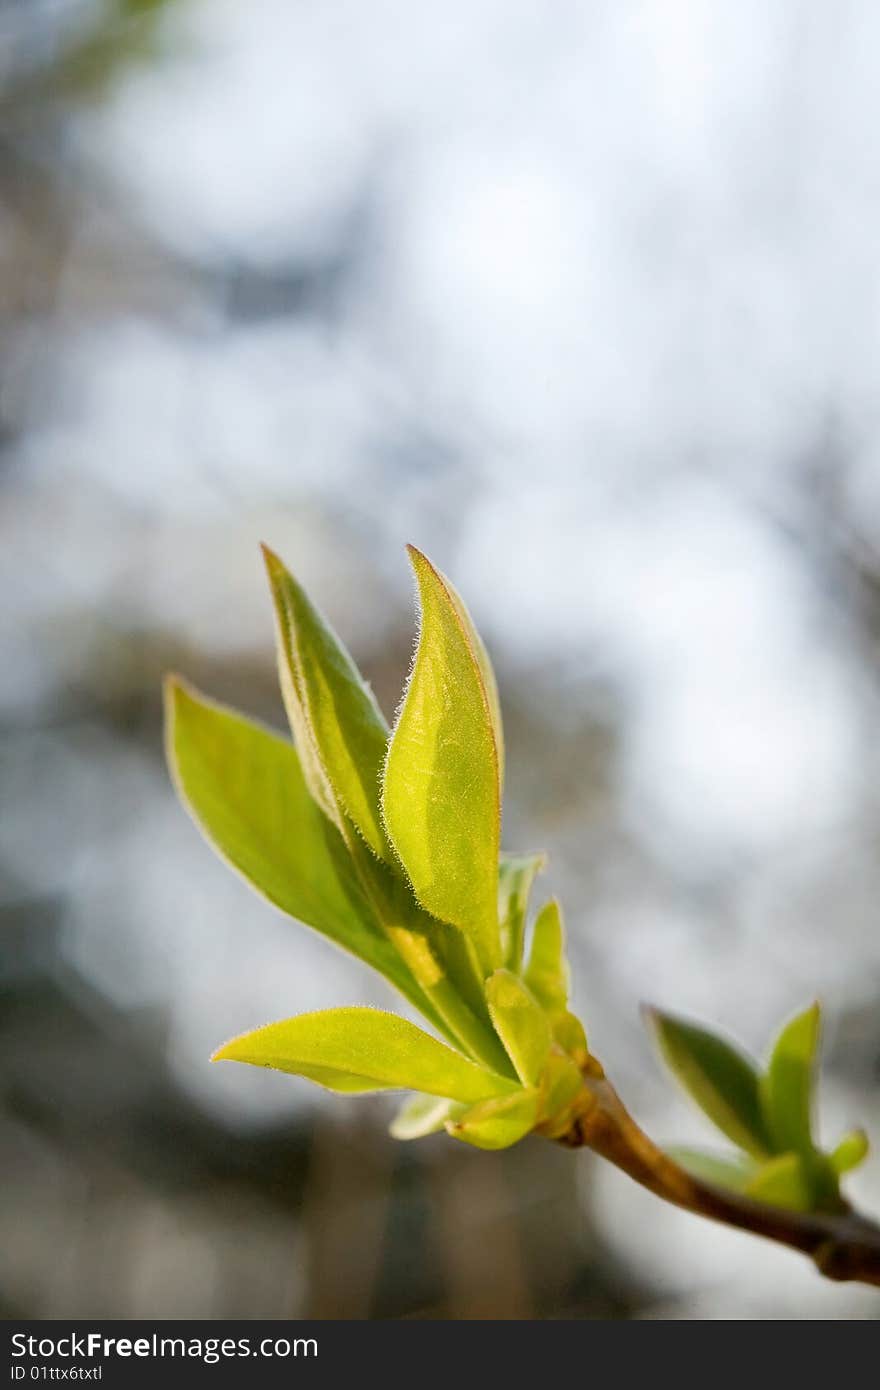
[(584, 300)]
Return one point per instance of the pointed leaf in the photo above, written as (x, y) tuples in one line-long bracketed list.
[(520, 1023), (720, 1078), (342, 740), (490, 685), (782, 1182), (852, 1150), (547, 973), (422, 1115), (733, 1171), (442, 796), (499, 1123), (245, 790), (364, 1049), (332, 710), (516, 874), (561, 1080), (569, 1033), (787, 1086)]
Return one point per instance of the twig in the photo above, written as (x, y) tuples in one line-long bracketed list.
[(842, 1243)]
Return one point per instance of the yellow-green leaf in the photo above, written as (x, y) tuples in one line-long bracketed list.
[(787, 1086), (364, 1049), (486, 671), (516, 874), (547, 973), (520, 1023), (851, 1150), (441, 796), (499, 1123), (782, 1182), (561, 1080), (720, 1078), (569, 1033), (338, 727), (342, 737), (419, 1116), (438, 956), (245, 790), (733, 1171)]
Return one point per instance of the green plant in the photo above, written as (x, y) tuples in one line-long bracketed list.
[(389, 844)]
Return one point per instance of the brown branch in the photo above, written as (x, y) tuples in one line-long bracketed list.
[(841, 1243)]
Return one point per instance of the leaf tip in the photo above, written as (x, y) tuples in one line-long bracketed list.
[(174, 691), (657, 1025), (173, 687), (231, 1050), (421, 564), (850, 1152), (275, 568)]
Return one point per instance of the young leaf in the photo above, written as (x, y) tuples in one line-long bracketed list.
[(422, 1115), (436, 955), (547, 974), (516, 874), (332, 710), (441, 797), (787, 1086), (497, 1124), (849, 1152), (364, 1049), (490, 685), (342, 739), (782, 1182), (561, 1080), (245, 790), (733, 1171), (722, 1081), (569, 1033), (520, 1023)]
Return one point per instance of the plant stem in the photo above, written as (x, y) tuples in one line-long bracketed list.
[(842, 1244)]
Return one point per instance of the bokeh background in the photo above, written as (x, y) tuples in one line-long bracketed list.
[(584, 300)]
